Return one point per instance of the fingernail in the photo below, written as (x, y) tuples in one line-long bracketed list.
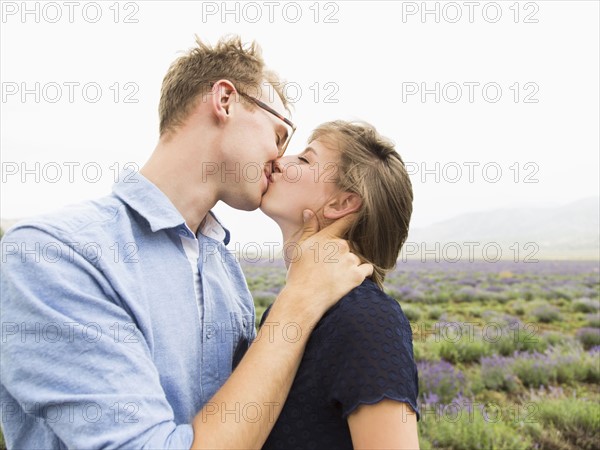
[(306, 215)]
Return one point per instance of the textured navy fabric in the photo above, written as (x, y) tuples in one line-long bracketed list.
[(360, 352)]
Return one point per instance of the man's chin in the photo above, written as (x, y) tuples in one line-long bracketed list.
[(265, 208), (264, 201), (241, 205)]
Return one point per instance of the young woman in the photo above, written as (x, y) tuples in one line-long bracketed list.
[(356, 386)]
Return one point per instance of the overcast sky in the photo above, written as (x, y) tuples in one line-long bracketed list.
[(498, 102)]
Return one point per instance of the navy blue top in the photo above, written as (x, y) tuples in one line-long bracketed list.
[(360, 352)]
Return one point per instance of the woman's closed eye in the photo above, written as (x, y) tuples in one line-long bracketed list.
[(303, 159)]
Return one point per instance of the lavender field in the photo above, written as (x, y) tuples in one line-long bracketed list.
[(508, 353)]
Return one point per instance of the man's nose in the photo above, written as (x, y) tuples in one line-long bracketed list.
[(279, 164)]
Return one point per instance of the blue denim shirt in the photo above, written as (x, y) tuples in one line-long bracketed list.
[(104, 342)]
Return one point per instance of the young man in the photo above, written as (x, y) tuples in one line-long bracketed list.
[(123, 318)]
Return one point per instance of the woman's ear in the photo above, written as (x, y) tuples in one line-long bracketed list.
[(341, 205), (222, 99)]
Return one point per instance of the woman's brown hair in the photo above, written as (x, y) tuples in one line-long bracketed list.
[(370, 167)]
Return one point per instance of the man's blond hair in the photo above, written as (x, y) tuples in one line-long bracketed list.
[(190, 77)]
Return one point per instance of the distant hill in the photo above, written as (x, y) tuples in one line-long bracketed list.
[(571, 231)]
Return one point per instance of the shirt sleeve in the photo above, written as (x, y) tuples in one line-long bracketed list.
[(368, 351), (72, 356)]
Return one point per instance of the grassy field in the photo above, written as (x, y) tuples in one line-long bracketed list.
[(508, 353)]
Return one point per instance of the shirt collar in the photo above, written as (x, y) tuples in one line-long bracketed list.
[(152, 204), (212, 228)]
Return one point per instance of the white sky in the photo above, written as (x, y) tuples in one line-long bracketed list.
[(375, 53)]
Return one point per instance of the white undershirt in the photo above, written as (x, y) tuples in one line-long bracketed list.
[(210, 228)]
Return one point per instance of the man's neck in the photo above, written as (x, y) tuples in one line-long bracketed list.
[(181, 180)]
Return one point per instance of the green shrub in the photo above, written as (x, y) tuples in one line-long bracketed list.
[(518, 340), (589, 337), (534, 370), (461, 430), (559, 340), (497, 375), (264, 299), (586, 305), (546, 313), (449, 352), (593, 320), (518, 308), (557, 365), (426, 350), (434, 312), (475, 383), (476, 312), (577, 420), (466, 350), (571, 367), (591, 361), (442, 296), (411, 313), (469, 294)]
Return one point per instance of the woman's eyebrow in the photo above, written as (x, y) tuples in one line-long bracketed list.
[(310, 149)]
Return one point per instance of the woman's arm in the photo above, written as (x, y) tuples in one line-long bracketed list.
[(265, 374), (387, 424)]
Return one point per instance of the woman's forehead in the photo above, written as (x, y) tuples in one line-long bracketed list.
[(323, 148)]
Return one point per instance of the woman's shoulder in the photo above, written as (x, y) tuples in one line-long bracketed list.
[(364, 309), (369, 299)]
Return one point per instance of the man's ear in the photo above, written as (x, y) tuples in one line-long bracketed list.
[(341, 205), (223, 97)]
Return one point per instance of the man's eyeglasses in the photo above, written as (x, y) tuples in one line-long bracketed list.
[(292, 128), (288, 122)]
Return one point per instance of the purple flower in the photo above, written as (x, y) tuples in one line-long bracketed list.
[(595, 349), (441, 379), (589, 337)]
